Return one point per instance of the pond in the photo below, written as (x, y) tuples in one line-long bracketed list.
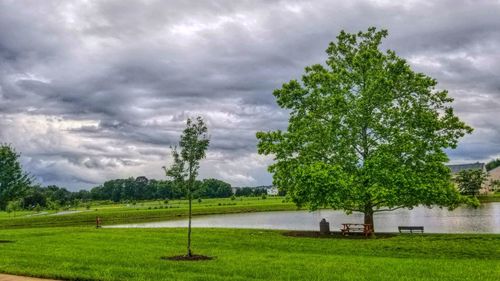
[(485, 219)]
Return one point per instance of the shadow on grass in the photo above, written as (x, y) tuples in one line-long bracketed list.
[(6, 241), (188, 258), (336, 235)]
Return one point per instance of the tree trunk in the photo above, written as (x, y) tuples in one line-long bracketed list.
[(189, 254), (369, 219)]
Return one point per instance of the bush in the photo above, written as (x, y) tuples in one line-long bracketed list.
[(233, 197), (264, 196)]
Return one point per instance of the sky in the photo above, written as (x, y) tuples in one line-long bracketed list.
[(97, 90)]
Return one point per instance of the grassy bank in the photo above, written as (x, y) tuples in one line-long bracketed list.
[(134, 254), (489, 198), (143, 212)]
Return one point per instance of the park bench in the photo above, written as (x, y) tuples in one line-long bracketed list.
[(410, 229), (348, 228)]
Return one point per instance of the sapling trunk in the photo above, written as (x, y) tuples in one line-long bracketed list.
[(190, 197)]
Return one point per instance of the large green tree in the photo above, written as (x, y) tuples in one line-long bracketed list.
[(193, 145), (366, 133), (13, 180)]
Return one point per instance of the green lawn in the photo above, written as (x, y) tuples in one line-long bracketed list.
[(84, 253), (144, 212), (495, 197)]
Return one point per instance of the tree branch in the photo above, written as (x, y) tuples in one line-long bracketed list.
[(388, 210)]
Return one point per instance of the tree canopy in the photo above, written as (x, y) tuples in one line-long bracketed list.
[(13, 180), (470, 181), (366, 133), (492, 164)]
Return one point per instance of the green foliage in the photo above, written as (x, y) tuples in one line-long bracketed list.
[(140, 188), (250, 191), (470, 181), (14, 206), (34, 198), (366, 133), (492, 164), (495, 185), (13, 180), (214, 188), (193, 145)]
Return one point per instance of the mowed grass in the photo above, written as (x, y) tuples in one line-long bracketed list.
[(84, 253), (144, 212)]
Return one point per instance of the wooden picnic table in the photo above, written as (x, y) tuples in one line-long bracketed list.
[(348, 228)]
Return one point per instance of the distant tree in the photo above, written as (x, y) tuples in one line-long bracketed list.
[(58, 195), (492, 164), (250, 191), (214, 188), (34, 197), (470, 181), (83, 194), (366, 133), (14, 206), (495, 185), (193, 145), (13, 180), (244, 191)]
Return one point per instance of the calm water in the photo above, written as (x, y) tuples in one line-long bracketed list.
[(485, 219)]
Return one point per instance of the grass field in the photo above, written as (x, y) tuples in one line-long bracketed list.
[(489, 198), (143, 212), (36, 245), (120, 213), (84, 253)]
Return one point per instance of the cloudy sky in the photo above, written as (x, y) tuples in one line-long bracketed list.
[(95, 90)]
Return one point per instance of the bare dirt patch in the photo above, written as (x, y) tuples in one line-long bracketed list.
[(7, 277), (188, 258)]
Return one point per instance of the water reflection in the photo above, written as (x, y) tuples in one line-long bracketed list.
[(485, 219)]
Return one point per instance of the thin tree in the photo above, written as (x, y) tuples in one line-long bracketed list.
[(184, 169), (366, 133)]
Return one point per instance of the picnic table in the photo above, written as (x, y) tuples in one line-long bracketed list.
[(348, 228)]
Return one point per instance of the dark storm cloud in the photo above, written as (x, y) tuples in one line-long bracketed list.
[(91, 90)]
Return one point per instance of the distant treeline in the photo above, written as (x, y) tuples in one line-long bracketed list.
[(144, 189), (123, 190)]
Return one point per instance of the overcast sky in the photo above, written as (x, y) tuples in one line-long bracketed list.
[(96, 90)]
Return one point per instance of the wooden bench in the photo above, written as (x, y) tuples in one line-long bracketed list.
[(410, 229), (348, 228)]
